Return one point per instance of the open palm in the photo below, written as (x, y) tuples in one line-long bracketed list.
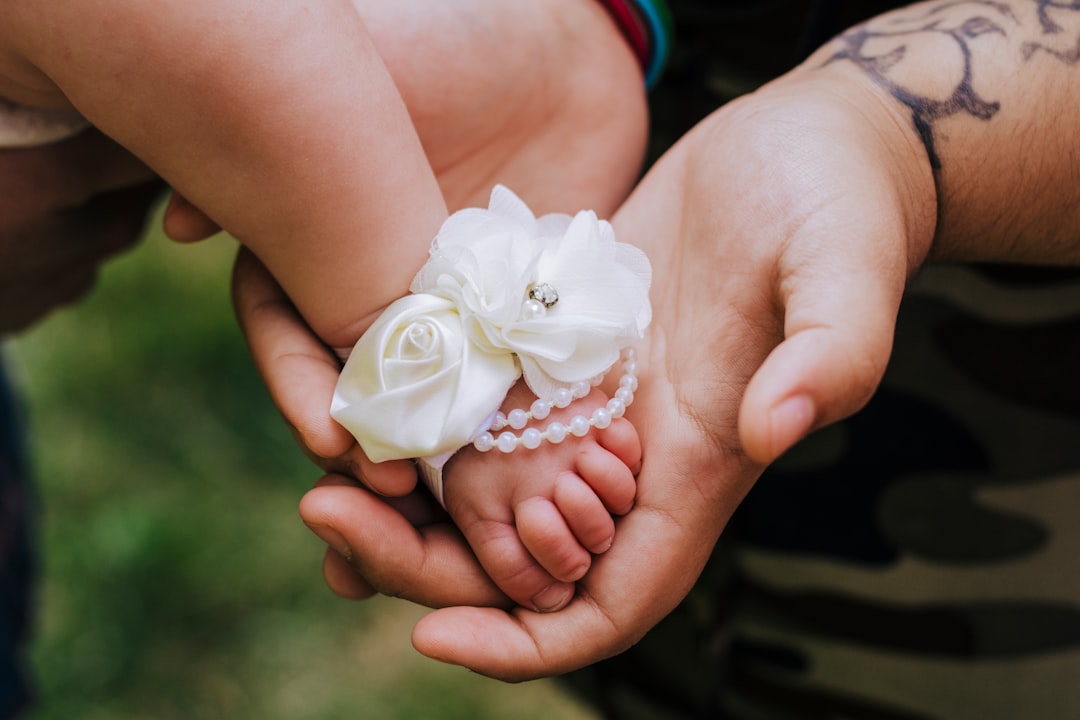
[(780, 254)]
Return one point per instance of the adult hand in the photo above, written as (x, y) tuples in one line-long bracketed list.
[(780, 254), (64, 209), (544, 97)]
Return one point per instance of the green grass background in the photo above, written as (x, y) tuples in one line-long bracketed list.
[(178, 579)]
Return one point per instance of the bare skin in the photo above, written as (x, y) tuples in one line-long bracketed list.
[(64, 209), (341, 206), (535, 522), (782, 230)]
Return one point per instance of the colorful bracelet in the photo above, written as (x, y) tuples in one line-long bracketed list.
[(662, 31), (648, 28), (632, 29)]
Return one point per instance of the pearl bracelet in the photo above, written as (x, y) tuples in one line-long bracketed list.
[(556, 432)]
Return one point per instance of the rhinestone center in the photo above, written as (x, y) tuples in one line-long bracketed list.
[(544, 294)]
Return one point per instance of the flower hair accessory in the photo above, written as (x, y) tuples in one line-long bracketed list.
[(503, 295)]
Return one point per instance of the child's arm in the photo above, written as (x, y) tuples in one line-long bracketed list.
[(278, 120)]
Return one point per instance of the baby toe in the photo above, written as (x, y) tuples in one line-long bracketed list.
[(584, 513), (610, 479), (511, 566), (544, 532)]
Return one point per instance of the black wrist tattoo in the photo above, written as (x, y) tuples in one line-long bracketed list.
[(987, 17), (1047, 12)]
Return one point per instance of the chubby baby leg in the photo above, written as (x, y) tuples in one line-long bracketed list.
[(535, 517)]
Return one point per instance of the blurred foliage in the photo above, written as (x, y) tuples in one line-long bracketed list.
[(178, 579)]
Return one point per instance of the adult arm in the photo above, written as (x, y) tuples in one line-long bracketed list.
[(979, 133)]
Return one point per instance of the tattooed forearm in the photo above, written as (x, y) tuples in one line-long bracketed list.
[(925, 110), (954, 29)]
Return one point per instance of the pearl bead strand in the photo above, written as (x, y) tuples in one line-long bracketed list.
[(556, 432)]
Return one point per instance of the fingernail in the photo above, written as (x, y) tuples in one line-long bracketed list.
[(579, 572), (790, 421), (335, 541), (552, 598)]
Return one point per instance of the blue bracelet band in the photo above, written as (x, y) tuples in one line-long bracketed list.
[(658, 18)]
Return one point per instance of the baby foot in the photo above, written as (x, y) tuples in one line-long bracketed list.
[(535, 517)]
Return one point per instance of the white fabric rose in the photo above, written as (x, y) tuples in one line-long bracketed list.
[(486, 262), (504, 293), (414, 386)]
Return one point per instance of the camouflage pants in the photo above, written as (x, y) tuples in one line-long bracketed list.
[(920, 560)]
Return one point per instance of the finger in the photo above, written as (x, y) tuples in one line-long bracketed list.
[(430, 565), (621, 440), (584, 513), (512, 646), (610, 479), (298, 370), (185, 223), (510, 565), (546, 535), (418, 507), (300, 374), (342, 578), (838, 330)]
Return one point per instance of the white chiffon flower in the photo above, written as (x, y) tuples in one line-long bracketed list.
[(487, 261), (414, 386)]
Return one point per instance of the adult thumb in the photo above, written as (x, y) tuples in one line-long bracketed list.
[(838, 332)]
